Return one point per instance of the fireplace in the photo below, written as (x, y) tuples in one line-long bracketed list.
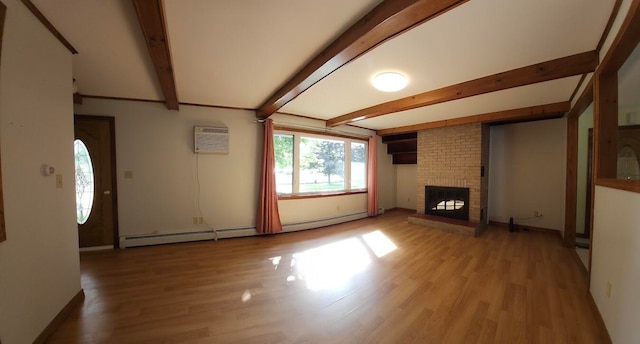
[(444, 201)]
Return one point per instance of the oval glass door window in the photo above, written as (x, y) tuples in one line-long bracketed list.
[(85, 188)]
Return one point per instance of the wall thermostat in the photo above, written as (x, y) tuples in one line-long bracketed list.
[(47, 170)]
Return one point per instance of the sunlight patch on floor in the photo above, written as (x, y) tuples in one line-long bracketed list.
[(379, 243), (333, 265)]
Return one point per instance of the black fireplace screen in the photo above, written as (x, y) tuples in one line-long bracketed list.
[(447, 201)]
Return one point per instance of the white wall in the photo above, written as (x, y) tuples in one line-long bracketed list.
[(39, 264), (156, 145), (585, 121), (527, 173), (616, 259), (406, 186), (616, 248), (386, 178)]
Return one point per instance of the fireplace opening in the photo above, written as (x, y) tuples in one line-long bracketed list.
[(451, 202)]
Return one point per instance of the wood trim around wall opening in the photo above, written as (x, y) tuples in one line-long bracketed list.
[(3, 233), (606, 103)]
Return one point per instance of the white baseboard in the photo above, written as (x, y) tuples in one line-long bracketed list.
[(298, 226), (165, 238), (96, 248)]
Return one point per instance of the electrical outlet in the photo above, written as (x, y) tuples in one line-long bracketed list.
[(200, 220), (59, 181), (128, 174), (608, 289), (195, 220)]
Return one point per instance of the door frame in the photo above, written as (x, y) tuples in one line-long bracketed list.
[(588, 210), (114, 171)]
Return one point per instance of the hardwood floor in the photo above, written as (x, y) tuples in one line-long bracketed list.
[(329, 286)]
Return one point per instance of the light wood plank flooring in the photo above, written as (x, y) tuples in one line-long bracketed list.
[(329, 286)]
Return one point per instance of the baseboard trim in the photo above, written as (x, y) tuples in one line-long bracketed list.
[(579, 261), (96, 248), (312, 224), (402, 209), (532, 228), (601, 326), (60, 318), (224, 233)]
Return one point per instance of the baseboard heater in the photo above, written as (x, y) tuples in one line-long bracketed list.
[(299, 226), (172, 238), (169, 238)]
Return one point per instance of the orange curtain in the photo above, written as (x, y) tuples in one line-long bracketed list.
[(372, 177), (268, 220)]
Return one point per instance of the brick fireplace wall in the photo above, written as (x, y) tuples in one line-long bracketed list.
[(455, 156)]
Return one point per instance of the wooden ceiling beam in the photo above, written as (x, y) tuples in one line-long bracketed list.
[(36, 12), (153, 24), (515, 115), (586, 99), (545, 71), (388, 19)]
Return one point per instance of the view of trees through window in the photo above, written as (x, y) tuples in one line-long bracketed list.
[(358, 165), (283, 149), (308, 164), (321, 159)]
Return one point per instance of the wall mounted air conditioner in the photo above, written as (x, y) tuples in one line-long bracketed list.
[(213, 140)]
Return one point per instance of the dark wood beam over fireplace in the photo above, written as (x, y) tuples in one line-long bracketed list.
[(553, 110), (545, 71)]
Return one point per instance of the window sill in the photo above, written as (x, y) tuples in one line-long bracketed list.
[(319, 195), (622, 184)]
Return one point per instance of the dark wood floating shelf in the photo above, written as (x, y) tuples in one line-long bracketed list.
[(403, 148)]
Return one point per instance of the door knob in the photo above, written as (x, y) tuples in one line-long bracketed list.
[(107, 192)]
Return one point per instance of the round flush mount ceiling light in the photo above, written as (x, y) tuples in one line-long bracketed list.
[(389, 81)]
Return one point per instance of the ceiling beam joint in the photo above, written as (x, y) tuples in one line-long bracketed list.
[(387, 20)]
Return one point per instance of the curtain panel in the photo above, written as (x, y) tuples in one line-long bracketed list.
[(268, 218)]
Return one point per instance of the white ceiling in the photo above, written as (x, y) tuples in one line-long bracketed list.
[(238, 52), (112, 58)]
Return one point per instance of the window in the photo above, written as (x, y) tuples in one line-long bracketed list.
[(84, 182), (358, 165), (310, 163), (284, 162)]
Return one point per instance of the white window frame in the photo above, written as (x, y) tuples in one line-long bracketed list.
[(297, 135)]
